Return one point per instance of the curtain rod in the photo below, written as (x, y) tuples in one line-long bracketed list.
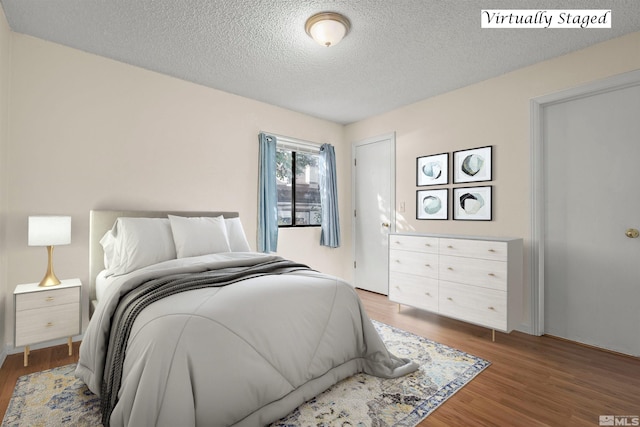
[(292, 140)]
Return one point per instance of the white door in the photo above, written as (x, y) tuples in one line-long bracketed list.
[(373, 190), (592, 185)]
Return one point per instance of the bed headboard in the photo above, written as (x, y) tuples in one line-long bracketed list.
[(100, 221)]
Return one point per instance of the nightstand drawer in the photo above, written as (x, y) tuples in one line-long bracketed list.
[(50, 298), (44, 324)]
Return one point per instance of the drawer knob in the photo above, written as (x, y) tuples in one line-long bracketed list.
[(427, 244), (450, 268), (491, 250), (427, 265), (450, 247), (450, 299), (49, 324), (492, 275), (49, 299), (398, 242), (491, 308), (427, 294), (398, 261)]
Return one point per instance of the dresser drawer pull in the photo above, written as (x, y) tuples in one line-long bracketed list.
[(398, 261), (49, 299), (428, 244), (450, 268), (491, 308), (49, 324), (450, 299), (450, 247), (398, 242), (427, 265), (492, 250), (492, 275), (427, 294)]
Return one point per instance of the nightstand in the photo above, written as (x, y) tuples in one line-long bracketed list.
[(46, 313)]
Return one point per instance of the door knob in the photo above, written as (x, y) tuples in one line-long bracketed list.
[(632, 233), (385, 224)]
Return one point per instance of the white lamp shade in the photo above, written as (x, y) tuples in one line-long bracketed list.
[(49, 230), (327, 32)]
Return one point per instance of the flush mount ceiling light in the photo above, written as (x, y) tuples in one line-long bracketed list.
[(327, 28)]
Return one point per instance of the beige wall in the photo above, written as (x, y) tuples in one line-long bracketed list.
[(5, 69), (494, 112), (91, 133)]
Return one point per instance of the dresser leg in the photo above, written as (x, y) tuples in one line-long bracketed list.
[(26, 355), (493, 335), (70, 344)]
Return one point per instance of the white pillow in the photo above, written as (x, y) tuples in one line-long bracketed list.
[(196, 236), (134, 243), (237, 239)]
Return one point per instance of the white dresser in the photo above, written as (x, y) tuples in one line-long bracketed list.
[(474, 279), (46, 313)]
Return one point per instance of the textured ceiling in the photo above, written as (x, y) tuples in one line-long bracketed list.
[(398, 51)]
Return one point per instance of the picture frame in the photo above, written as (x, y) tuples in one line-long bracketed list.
[(432, 170), (473, 203), (473, 165), (432, 204)]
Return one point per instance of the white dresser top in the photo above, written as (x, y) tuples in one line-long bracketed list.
[(457, 236)]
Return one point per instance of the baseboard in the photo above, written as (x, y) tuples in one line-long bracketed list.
[(3, 354)]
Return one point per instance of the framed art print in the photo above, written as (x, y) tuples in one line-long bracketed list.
[(432, 170), (432, 204), (472, 203), (474, 165)]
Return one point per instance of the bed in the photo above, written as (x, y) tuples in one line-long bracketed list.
[(204, 332)]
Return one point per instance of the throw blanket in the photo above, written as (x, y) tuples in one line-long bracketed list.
[(241, 355), (139, 298)]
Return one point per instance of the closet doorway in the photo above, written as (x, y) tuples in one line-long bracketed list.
[(590, 169), (373, 200)]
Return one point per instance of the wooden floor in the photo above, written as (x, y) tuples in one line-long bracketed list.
[(533, 381)]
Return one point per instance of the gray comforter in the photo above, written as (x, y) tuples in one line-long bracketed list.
[(247, 353)]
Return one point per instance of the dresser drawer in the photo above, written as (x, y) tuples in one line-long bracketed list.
[(416, 291), (417, 263), (484, 249), (44, 324), (485, 307), (414, 243), (41, 299), (473, 271)]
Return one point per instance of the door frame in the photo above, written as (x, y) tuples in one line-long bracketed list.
[(392, 188), (538, 196)]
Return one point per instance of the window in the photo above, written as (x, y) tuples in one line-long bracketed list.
[(297, 187)]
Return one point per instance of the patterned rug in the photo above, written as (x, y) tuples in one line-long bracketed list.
[(56, 398)]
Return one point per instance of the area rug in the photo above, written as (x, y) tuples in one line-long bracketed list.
[(56, 398)]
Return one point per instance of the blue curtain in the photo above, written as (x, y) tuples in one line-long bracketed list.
[(267, 195), (330, 234)]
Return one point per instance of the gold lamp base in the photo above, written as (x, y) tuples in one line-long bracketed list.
[(49, 278)]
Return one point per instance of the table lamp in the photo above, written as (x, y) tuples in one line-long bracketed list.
[(49, 231)]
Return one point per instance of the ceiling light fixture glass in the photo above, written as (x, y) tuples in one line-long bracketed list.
[(327, 28)]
